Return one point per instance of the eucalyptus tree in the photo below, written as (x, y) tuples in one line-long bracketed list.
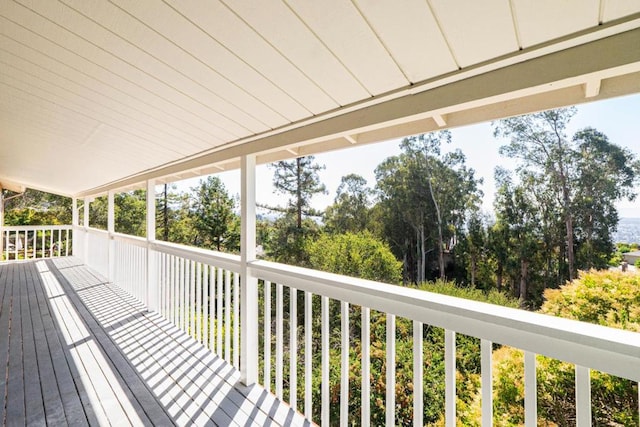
[(608, 173), (578, 180), (518, 216), (540, 142), (350, 209), (425, 196)]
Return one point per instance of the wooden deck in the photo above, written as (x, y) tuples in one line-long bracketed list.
[(75, 350)]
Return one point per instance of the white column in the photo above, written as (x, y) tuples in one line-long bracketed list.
[(111, 228), (1, 223), (85, 224), (152, 273), (75, 223), (249, 284)]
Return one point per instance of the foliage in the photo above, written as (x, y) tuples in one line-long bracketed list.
[(215, 223), (610, 298), (559, 212), (299, 180), (130, 212), (35, 207), (351, 206), (359, 255), (424, 199)]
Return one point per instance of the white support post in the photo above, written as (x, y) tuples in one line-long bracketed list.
[(111, 228), (152, 273), (249, 284), (85, 224), (2, 223), (75, 224)]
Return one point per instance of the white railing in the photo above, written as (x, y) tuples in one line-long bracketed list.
[(128, 268), (35, 241), (198, 291), (97, 250), (588, 346)]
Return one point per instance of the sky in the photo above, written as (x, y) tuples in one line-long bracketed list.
[(618, 118)]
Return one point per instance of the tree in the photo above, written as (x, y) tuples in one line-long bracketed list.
[(475, 244), (426, 196), (540, 142), (355, 254), (299, 180), (607, 173), (573, 184), (35, 207), (214, 219), (130, 212), (350, 209), (515, 207)]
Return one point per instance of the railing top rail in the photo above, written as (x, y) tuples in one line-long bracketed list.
[(35, 227), (219, 259), (127, 238), (94, 230), (598, 347)]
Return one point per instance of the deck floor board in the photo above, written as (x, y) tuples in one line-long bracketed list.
[(76, 350)]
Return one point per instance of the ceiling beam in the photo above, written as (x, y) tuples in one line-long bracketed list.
[(598, 60)]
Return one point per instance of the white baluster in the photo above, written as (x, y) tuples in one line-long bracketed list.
[(530, 390), (279, 339), (267, 335), (418, 375), (344, 368), (324, 321), (308, 356), (450, 377), (293, 347), (583, 396), (365, 395), (390, 404), (486, 370)]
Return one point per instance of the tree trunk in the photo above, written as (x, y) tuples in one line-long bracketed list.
[(299, 193), (524, 266), (439, 223), (499, 274), (474, 267), (570, 251), (423, 254)]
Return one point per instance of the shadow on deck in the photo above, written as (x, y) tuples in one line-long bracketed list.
[(80, 351)]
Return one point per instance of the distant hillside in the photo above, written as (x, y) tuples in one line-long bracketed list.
[(628, 231)]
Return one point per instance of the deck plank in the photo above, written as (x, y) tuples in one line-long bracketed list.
[(15, 380), (79, 351), (76, 405), (33, 398), (5, 314), (51, 399)]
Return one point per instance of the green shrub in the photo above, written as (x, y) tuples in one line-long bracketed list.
[(610, 298)]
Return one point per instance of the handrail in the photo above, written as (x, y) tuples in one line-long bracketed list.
[(598, 347), (227, 261), (127, 238), (35, 227)]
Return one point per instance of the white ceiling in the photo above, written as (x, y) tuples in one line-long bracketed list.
[(94, 93)]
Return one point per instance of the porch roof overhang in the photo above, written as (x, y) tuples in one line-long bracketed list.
[(104, 95)]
